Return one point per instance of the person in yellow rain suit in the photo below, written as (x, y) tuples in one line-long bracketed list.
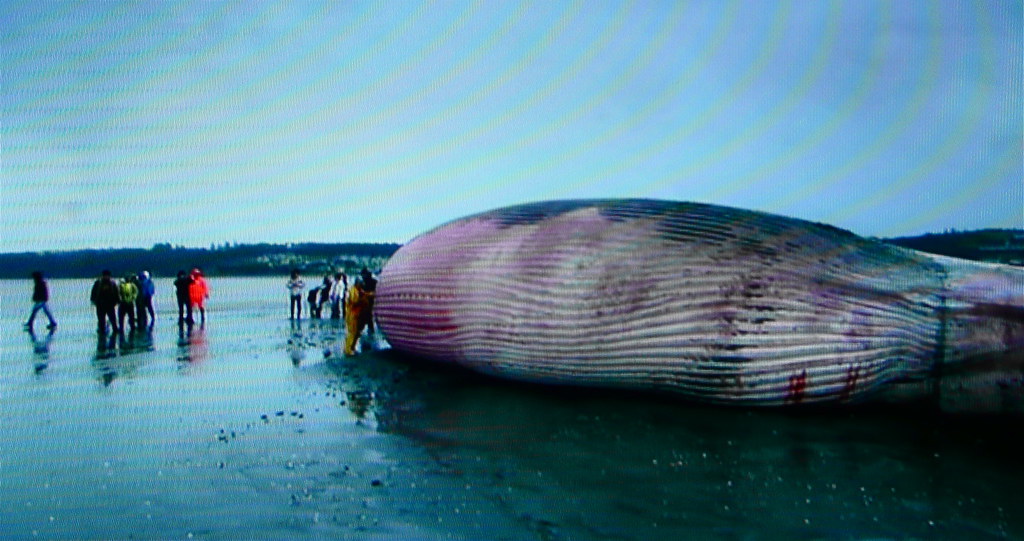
[(127, 292), (357, 314)]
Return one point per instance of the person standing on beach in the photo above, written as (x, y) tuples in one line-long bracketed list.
[(339, 291), (144, 304), (182, 284), (104, 295), (370, 287), (40, 296), (312, 298), (356, 309), (325, 295), (295, 286), (198, 292), (127, 293)]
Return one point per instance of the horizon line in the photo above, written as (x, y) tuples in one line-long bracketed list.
[(231, 244)]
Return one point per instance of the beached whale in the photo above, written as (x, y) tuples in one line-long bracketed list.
[(716, 304)]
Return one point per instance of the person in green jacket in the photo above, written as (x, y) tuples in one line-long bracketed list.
[(128, 293)]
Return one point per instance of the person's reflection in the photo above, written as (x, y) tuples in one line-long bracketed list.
[(126, 342), (143, 339), (184, 355), (332, 339), (106, 353), (192, 348), (359, 403), (197, 344), (41, 349), (296, 343)]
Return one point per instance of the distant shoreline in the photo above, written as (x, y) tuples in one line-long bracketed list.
[(163, 260)]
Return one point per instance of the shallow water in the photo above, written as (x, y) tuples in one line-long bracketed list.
[(254, 427)]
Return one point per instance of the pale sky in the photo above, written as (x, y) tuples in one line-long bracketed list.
[(126, 124)]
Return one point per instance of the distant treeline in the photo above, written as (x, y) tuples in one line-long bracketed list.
[(994, 245), (999, 245), (224, 260)]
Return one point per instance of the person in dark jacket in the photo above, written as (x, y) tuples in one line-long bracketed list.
[(370, 287), (313, 298), (144, 302), (105, 296), (40, 296), (295, 286), (181, 286), (325, 296)]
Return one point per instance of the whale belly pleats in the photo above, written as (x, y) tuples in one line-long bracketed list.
[(716, 304)]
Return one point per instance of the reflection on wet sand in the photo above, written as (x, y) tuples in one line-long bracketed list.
[(192, 346), (325, 336), (41, 349), (382, 446), (115, 353), (636, 466), (141, 340), (359, 402), (106, 355), (296, 343)]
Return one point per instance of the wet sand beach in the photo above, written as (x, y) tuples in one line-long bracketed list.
[(254, 426)]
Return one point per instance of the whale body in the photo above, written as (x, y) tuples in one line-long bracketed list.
[(715, 304)]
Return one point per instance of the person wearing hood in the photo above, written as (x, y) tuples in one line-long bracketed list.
[(198, 292), (128, 293), (144, 304)]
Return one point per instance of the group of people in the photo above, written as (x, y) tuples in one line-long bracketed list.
[(191, 291), (331, 292), (132, 299), (354, 304)]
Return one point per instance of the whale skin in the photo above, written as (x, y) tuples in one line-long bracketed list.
[(711, 303)]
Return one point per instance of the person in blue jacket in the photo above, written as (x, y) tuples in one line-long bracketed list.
[(144, 302)]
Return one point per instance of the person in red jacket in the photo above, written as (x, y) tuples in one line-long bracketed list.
[(198, 292)]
